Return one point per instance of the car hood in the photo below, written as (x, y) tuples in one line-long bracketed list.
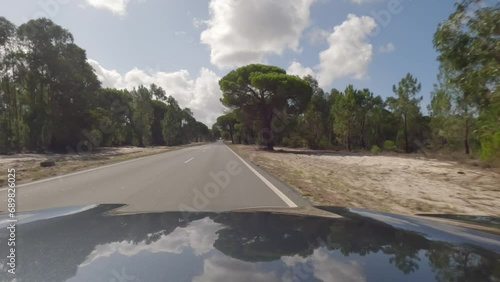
[(100, 243)]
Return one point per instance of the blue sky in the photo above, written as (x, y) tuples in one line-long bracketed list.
[(185, 46)]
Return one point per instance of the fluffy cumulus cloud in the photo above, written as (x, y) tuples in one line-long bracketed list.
[(297, 69), (118, 7), (200, 94), (246, 31), (176, 242), (349, 52)]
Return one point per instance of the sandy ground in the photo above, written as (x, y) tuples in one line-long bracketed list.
[(28, 168), (399, 184)]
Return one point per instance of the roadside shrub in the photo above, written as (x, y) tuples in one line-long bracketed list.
[(294, 142), (324, 144), (389, 145), (490, 146), (375, 149)]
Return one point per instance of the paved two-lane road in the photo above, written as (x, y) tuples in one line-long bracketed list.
[(209, 178)]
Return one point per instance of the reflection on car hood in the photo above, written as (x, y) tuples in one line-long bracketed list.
[(97, 243)]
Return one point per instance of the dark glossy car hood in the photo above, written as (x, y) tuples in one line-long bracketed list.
[(97, 243)]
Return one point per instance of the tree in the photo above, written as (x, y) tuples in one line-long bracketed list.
[(172, 122), (110, 115), (261, 91), (468, 48), (60, 82), (202, 133), (344, 110), (142, 114), (315, 122), (365, 106), (188, 126), (406, 104), (215, 131), (12, 129), (227, 123), (159, 111)]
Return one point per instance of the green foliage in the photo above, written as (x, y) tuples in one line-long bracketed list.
[(142, 116), (294, 142), (375, 149), (227, 123), (490, 146), (468, 48), (172, 123), (389, 145), (258, 91), (50, 98), (406, 106), (324, 143), (345, 115)]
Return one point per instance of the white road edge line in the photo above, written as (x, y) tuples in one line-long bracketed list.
[(89, 170), (189, 160), (280, 194)]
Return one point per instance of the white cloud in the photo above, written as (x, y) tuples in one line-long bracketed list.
[(323, 267), (118, 7), (175, 242), (246, 31), (316, 35), (200, 94), (108, 78), (228, 269), (297, 69), (389, 48), (197, 23), (349, 52)]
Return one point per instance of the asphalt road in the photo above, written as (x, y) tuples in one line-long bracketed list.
[(207, 178)]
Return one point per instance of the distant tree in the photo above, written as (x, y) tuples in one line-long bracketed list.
[(202, 133), (406, 104), (345, 112), (227, 123), (315, 122), (188, 126), (215, 131), (142, 114), (172, 122), (159, 111), (260, 91)]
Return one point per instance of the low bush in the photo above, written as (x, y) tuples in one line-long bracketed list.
[(389, 145), (375, 149)]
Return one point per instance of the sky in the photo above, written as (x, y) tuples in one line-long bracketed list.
[(187, 46)]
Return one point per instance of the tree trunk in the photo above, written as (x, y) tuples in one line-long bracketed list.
[(466, 137), (407, 147), (141, 142), (267, 130), (363, 143)]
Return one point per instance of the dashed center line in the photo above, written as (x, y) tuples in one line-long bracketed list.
[(189, 160)]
